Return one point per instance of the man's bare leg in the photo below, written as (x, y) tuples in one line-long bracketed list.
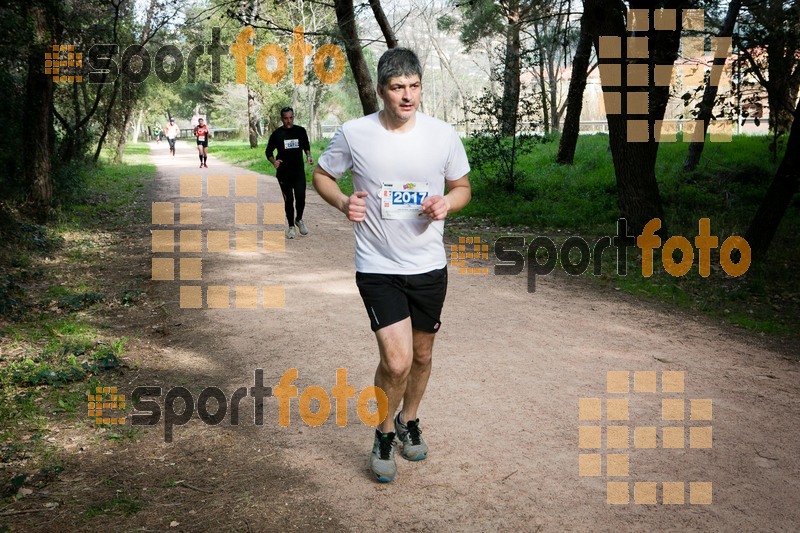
[(420, 372), (396, 345)]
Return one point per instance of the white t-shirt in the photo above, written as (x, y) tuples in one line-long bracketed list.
[(420, 159)]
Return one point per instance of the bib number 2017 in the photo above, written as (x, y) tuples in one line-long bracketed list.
[(408, 197)]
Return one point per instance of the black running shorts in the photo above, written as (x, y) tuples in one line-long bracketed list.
[(203, 143), (390, 298)]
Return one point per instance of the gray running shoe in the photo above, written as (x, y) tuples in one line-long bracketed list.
[(381, 462), (290, 233), (302, 227), (409, 434)]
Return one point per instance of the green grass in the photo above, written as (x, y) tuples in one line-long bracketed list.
[(108, 195), (583, 197)]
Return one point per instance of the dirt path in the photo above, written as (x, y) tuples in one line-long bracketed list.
[(501, 414)]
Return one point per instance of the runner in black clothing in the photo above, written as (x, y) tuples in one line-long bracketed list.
[(290, 141)]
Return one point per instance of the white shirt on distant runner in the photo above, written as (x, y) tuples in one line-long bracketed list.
[(416, 162), (172, 131)]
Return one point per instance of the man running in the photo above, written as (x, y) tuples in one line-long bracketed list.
[(290, 141), (409, 172), (201, 132), (172, 134)]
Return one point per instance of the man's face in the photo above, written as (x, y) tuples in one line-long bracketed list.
[(401, 97), (288, 119)]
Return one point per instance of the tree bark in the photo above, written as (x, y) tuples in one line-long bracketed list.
[(705, 113), (552, 74), (107, 121), (36, 134), (779, 195), (542, 85), (511, 71), (577, 86), (252, 118), (383, 23), (123, 134), (138, 126), (345, 17), (249, 11), (634, 162)]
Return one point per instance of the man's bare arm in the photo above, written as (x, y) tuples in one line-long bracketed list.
[(355, 207), (458, 195)]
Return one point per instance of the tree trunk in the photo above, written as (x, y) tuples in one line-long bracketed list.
[(123, 135), (345, 16), (252, 118), (548, 50), (310, 94), (386, 28), (577, 86), (555, 116), (319, 92), (635, 158), (710, 94), (511, 71), (779, 195), (36, 134), (542, 87), (107, 121), (249, 12), (779, 99), (138, 126)]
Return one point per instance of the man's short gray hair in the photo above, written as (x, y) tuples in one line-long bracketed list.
[(398, 62)]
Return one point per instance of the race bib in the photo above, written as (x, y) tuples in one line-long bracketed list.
[(402, 200), (201, 137), (291, 143)]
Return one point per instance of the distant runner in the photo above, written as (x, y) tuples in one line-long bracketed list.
[(172, 134), (201, 132), (290, 141)]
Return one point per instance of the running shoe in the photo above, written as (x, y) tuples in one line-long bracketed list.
[(205, 165), (201, 165), (290, 233), (409, 434), (302, 227), (381, 461)]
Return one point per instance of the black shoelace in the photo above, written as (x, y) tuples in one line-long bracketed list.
[(413, 431), (385, 444)]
